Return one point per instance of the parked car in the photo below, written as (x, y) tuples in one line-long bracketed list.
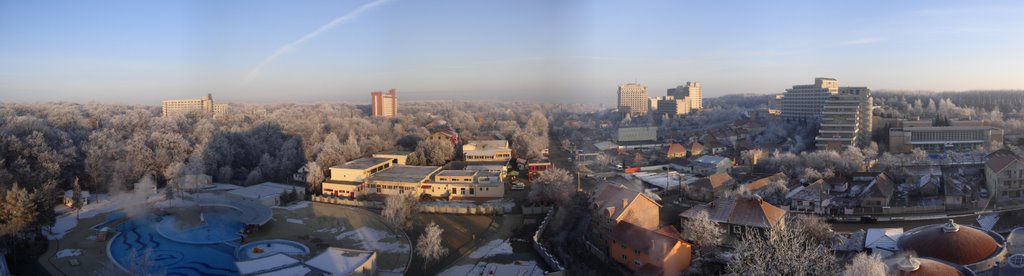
[(518, 187)]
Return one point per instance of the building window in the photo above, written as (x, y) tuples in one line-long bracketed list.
[(636, 251), (623, 257), (636, 263)]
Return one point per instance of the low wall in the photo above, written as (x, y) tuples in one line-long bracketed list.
[(347, 202), (543, 252), (462, 209)]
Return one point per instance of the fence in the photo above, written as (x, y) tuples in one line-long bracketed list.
[(462, 209), (543, 252), (535, 210), (347, 202)]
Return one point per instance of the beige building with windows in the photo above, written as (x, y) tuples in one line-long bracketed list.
[(633, 98), (805, 102), (384, 104), (943, 138), (487, 151), (1004, 177), (466, 184), (673, 106), (203, 105), (846, 119), (400, 179), (399, 157), (347, 180), (691, 92)]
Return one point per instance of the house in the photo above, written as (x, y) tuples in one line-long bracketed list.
[(882, 240), (676, 151), (879, 192), (487, 151), (613, 203), (696, 149), (925, 181), (738, 215), (713, 146), (445, 134), (763, 182), (1004, 178), (398, 157), (534, 167), (708, 188), (811, 199), (649, 252), (710, 164), (69, 198), (465, 184)]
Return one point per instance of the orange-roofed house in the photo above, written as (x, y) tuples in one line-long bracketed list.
[(676, 151), (649, 252), (614, 203)]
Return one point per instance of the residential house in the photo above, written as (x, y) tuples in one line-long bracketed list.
[(878, 193), (446, 134), (882, 240), (1004, 178), (763, 182), (737, 215), (613, 203), (811, 199), (696, 149), (709, 188), (710, 164), (676, 151), (649, 252), (713, 146)]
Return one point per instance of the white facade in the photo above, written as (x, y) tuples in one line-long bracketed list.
[(805, 102), (846, 119), (205, 104), (691, 92), (627, 134), (633, 98)]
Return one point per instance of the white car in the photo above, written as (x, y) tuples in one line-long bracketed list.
[(518, 187)]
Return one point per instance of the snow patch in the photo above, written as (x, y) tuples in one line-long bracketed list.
[(68, 253), (492, 248), (330, 230), (484, 268), (372, 239), (103, 204), (296, 221), (295, 206)]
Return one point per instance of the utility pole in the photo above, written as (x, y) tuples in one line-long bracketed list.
[(573, 154)]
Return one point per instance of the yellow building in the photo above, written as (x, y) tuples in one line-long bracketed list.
[(347, 179), (205, 105), (487, 151), (400, 179), (399, 157), (466, 184)]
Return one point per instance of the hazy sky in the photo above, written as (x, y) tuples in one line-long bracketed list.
[(309, 51)]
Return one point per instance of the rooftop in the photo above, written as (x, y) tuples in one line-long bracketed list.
[(393, 153), (1000, 159), (960, 244), (748, 211), (263, 190), (403, 173), (644, 240), (339, 261), (362, 163), (710, 159), (456, 173)]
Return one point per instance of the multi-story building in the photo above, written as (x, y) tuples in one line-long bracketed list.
[(384, 104), (203, 105), (346, 180), (1004, 177), (614, 203), (805, 102), (487, 151), (649, 252), (690, 92), (400, 179), (846, 119), (633, 98), (943, 138), (672, 106)]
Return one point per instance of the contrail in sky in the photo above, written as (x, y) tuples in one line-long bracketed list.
[(324, 28)]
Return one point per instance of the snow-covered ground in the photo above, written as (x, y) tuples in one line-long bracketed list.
[(294, 206), (103, 204), (296, 221), (68, 253), (492, 248), (484, 268), (370, 239)]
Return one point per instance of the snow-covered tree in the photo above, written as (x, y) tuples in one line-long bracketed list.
[(553, 185), (702, 231), (428, 246), (864, 264), (399, 209)]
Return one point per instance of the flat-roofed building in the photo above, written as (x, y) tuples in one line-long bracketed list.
[(943, 138), (400, 179), (202, 105), (805, 102), (347, 180), (673, 106), (487, 151), (384, 104), (633, 98), (631, 134), (400, 157), (691, 93), (466, 184), (846, 119)]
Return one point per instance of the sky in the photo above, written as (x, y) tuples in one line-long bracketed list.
[(142, 52)]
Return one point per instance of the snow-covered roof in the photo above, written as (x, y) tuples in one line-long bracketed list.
[(263, 190), (340, 261), (882, 238)]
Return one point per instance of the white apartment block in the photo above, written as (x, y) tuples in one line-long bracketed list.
[(633, 98), (805, 102), (846, 119), (672, 105), (205, 104), (690, 92)]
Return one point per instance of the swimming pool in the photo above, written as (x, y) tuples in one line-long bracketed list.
[(214, 225), (259, 249), (141, 235)]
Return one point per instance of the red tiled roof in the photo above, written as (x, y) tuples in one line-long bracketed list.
[(676, 149), (761, 183), (749, 211)]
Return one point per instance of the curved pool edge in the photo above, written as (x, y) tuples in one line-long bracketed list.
[(110, 241), (238, 250)]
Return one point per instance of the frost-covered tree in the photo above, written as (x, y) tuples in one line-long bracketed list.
[(553, 185), (428, 246), (864, 264), (782, 250), (17, 212), (434, 152), (314, 176), (703, 232), (399, 209)]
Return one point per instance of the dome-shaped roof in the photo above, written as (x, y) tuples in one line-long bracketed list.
[(909, 266), (959, 244)]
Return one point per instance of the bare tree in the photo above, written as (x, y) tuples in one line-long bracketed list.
[(314, 176), (398, 210), (864, 264), (702, 231), (812, 227), (434, 152), (781, 250), (551, 186), (428, 246)]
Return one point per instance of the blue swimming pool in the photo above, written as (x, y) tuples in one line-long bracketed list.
[(166, 256)]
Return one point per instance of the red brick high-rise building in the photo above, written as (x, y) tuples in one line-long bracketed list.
[(384, 104)]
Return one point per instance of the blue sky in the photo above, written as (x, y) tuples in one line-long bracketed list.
[(141, 52)]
